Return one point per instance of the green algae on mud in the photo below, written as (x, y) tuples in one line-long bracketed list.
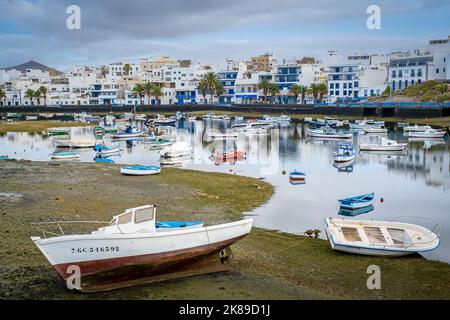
[(37, 126), (268, 264)]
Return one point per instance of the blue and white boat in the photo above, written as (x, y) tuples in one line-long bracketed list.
[(140, 170), (297, 176), (2, 158), (355, 212), (130, 132), (65, 155), (102, 149), (103, 159), (346, 153), (357, 202), (178, 224)]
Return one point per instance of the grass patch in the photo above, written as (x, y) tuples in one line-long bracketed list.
[(36, 126)]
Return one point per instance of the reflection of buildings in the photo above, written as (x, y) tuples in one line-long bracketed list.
[(432, 165)]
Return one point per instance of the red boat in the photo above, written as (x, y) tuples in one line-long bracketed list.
[(230, 156)]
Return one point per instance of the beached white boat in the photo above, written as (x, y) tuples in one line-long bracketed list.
[(140, 170), (379, 238), (428, 133), (384, 145), (132, 250), (65, 155), (58, 131), (276, 119), (178, 149)]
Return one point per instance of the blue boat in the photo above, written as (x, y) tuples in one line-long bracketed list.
[(357, 202), (103, 159), (297, 176), (355, 212), (101, 149), (346, 153), (140, 170), (130, 132), (178, 224), (2, 158)]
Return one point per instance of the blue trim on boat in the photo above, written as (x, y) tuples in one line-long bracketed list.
[(142, 168), (176, 224)]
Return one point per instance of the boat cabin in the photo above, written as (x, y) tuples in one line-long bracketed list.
[(134, 220)]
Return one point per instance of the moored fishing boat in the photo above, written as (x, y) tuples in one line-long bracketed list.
[(58, 131), (178, 149), (222, 136), (4, 157), (65, 155), (132, 250), (140, 170), (160, 143), (345, 153), (416, 128), (428, 133), (102, 149), (383, 145), (296, 175), (357, 202), (327, 134), (75, 143), (379, 238), (375, 130), (130, 132)]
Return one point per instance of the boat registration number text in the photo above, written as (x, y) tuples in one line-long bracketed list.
[(95, 249)]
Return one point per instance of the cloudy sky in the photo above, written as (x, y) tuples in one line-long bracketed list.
[(210, 30)]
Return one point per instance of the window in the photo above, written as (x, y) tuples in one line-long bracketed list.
[(400, 73), (437, 70), (419, 72), (345, 85), (143, 215), (331, 85), (337, 85), (394, 74), (345, 92), (126, 218), (413, 72), (356, 84)]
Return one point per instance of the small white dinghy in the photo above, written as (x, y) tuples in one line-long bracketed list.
[(428, 133), (379, 238), (140, 170), (65, 155)]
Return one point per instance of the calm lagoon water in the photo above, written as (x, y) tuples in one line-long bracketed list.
[(412, 188)]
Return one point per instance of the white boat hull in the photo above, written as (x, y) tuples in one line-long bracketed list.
[(131, 172)]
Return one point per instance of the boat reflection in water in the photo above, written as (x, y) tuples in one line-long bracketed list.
[(355, 212), (344, 166)]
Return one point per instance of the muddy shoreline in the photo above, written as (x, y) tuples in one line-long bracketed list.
[(268, 264)]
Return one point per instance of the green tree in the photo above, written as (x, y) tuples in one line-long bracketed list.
[(264, 85), (295, 90), (157, 92), (211, 82), (3, 96), (138, 90), (274, 90), (314, 90), (37, 95), (29, 94), (387, 92), (323, 90), (303, 92), (203, 90), (44, 91), (148, 89)]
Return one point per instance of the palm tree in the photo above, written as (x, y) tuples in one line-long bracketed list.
[(138, 90), (322, 89), (219, 89), (157, 92), (295, 90), (314, 90), (303, 92), (29, 94), (203, 90), (3, 96), (274, 90), (148, 89), (37, 94), (43, 90), (264, 85), (211, 82)]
